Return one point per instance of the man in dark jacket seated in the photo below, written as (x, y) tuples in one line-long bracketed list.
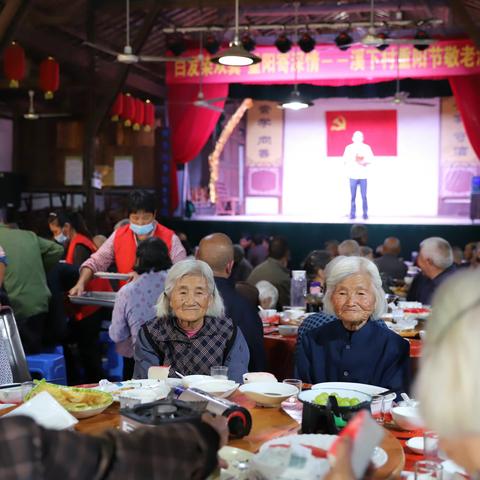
[(354, 347), (217, 250)]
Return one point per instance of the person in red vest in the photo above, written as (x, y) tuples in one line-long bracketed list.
[(121, 246), (84, 328)]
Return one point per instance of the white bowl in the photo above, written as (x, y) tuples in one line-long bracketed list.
[(288, 330), (293, 314), (219, 388), (407, 418), (268, 394), (251, 377), (191, 380), (11, 394), (415, 444)]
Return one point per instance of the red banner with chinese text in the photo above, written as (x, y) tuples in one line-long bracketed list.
[(327, 65), (379, 128)]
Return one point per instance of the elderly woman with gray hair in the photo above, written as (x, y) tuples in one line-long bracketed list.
[(448, 383), (191, 333), (354, 347)]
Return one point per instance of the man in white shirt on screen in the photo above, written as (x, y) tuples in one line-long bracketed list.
[(357, 157)]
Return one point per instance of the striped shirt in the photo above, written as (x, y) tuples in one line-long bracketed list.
[(105, 255)]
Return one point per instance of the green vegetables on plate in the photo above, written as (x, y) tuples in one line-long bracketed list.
[(322, 399)]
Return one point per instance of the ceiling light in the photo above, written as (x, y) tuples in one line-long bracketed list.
[(421, 35), (248, 43), (343, 41), (212, 45), (306, 42), (283, 43), (236, 55), (176, 44), (296, 101)]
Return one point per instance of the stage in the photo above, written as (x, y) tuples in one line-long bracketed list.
[(325, 219)]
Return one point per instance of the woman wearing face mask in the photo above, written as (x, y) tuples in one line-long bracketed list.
[(121, 246), (55, 225)]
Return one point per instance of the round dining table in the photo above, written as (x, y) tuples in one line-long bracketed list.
[(267, 423)]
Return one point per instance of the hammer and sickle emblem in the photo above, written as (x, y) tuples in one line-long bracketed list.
[(339, 123)]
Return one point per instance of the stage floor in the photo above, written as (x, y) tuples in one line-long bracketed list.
[(374, 220)]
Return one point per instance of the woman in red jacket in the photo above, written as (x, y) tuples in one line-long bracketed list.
[(86, 322)]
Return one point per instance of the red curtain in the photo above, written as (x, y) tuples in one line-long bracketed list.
[(467, 95), (190, 126)]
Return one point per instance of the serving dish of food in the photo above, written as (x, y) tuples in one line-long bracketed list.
[(80, 402)]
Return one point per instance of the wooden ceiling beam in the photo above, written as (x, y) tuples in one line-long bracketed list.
[(11, 16)]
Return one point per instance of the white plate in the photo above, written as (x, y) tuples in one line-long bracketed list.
[(379, 457), (309, 395), (112, 275), (359, 387), (160, 388)]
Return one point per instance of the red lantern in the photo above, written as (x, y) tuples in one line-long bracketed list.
[(139, 114), (14, 64), (128, 114), (49, 77), (117, 108), (149, 117)]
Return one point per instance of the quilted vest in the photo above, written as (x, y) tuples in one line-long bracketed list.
[(195, 355)]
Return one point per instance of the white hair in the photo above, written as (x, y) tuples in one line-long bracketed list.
[(342, 267), (448, 384), (267, 290), (349, 248), (438, 250), (180, 270)]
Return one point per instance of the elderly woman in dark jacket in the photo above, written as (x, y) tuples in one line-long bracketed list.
[(191, 333), (354, 347)]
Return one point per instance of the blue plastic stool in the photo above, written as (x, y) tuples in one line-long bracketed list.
[(49, 365), (112, 362)]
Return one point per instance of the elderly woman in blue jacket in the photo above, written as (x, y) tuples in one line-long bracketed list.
[(191, 333), (354, 347)]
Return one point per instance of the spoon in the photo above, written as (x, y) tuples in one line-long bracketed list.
[(179, 374)]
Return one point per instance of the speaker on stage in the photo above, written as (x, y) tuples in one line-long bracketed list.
[(475, 198), (11, 186)]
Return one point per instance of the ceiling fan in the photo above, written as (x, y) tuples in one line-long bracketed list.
[(374, 39), (127, 56), (401, 98), (201, 101), (31, 114)]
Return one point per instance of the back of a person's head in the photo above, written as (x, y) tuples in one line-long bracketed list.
[(366, 252), (450, 357), (152, 255), (141, 200), (438, 250), (238, 253), (77, 222), (258, 239), (216, 249), (349, 248), (278, 248), (359, 233), (316, 260), (267, 292), (391, 246)]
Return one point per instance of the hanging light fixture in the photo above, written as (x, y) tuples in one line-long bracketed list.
[(306, 42), (343, 41), (283, 43), (296, 101), (248, 43), (236, 55), (421, 35), (176, 44), (212, 45)]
